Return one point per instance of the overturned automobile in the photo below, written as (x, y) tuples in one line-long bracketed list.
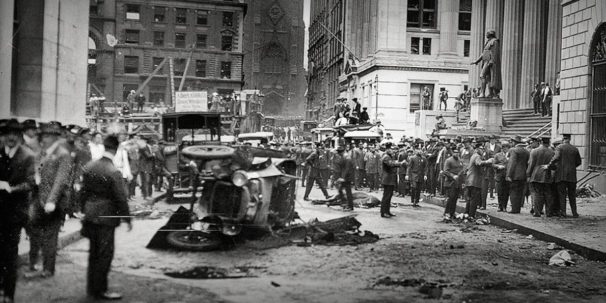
[(236, 189)]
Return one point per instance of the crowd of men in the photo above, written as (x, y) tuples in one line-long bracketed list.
[(469, 168), (50, 171)]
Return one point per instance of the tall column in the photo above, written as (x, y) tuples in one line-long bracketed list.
[(494, 16), (511, 56), (533, 49), (554, 42), (392, 16), (478, 14), (7, 8), (449, 25)]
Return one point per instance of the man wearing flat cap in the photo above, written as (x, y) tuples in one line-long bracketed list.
[(17, 170), (540, 178), (516, 173), (51, 204)]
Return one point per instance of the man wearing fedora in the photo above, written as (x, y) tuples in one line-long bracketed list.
[(516, 173), (474, 178), (415, 174), (389, 179), (17, 179), (51, 203), (540, 178)]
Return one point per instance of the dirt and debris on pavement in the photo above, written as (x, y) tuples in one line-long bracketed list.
[(213, 272)]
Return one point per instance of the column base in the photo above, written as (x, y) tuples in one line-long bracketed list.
[(488, 112)]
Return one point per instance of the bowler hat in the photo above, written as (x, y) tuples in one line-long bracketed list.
[(517, 139), (29, 124), (51, 128), (3, 123), (13, 125)]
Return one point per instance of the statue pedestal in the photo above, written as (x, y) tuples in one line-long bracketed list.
[(425, 121), (488, 112)]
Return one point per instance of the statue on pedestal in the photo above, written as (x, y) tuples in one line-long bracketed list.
[(491, 66)]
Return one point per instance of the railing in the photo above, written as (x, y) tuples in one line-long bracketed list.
[(542, 130)]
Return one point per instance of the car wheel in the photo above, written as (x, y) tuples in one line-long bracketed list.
[(192, 240), (204, 152)]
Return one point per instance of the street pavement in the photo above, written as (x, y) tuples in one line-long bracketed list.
[(475, 264)]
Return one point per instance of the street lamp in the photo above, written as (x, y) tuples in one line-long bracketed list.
[(376, 97)]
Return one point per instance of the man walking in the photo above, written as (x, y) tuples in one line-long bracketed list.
[(453, 169), (17, 169), (104, 201), (313, 162), (146, 168), (516, 173), (344, 173), (390, 170), (540, 177), (565, 161)]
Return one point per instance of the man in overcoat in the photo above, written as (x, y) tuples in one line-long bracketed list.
[(389, 180), (540, 177), (516, 173), (565, 161)]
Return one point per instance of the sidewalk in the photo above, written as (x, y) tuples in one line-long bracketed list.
[(584, 235), (70, 231)]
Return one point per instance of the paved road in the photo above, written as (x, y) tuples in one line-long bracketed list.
[(474, 263)]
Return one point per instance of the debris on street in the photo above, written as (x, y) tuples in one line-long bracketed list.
[(552, 246), (587, 191), (562, 258), (211, 272), (360, 200), (340, 231), (433, 289)]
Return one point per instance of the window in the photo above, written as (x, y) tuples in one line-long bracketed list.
[(155, 62), (226, 42), (159, 14), (415, 45), (126, 88), (200, 68), (465, 15), (200, 41), (133, 12), (466, 46), (426, 46), (131, 36), (201, 17), (597, 113), (228, 18), (158, 38), (225, 71), (157, 93), (179, 67), (180, 40), (181, 16), (131, 64), (93, 9), (419, 96), (421, 13)]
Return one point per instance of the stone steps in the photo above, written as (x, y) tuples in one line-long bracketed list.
[(523, 122)]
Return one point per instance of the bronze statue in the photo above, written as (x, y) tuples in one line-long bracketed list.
[(491, 66)]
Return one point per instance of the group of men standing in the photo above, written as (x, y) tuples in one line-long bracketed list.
[(48, 172)]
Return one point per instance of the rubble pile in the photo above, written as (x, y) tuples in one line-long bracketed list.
[(211, 272), (587, 191), (340, 231)]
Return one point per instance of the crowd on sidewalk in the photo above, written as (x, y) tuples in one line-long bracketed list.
[(49, 172)]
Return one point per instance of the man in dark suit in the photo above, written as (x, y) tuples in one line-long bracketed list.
[(415, 174), (502, 185), (52, 201), (146, 167), (104, 201), (344, 173), (516, 173), (402, 157), (389, 179), (17, 170), (565, 161), (492, 147), (540, 177), (313, 162), (357, 155), (453, 168)]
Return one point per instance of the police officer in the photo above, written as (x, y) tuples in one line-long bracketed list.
[(313, 164), (16, 181), (104, 201), (344, 173)]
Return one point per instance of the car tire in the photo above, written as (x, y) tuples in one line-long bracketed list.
[(191, 240), (208, 152)]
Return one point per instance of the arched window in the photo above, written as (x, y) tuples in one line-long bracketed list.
[(597, 114)]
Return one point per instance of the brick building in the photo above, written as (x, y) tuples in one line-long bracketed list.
[(273, 47), (145, 32)]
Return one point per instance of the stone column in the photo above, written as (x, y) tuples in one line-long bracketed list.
[(494, 16), (533, 49), (7, 8), (391, 31), (511, 55), (449, 26), (478, 14), (554, 42)]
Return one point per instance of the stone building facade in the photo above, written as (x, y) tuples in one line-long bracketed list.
[(274, 38), (43, 59), (396, 49), (146, 32)]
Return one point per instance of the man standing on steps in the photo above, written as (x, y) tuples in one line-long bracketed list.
[(390, 170), (104, 202), (565, 161), (540, 178), (313, 164), (516, 173)]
